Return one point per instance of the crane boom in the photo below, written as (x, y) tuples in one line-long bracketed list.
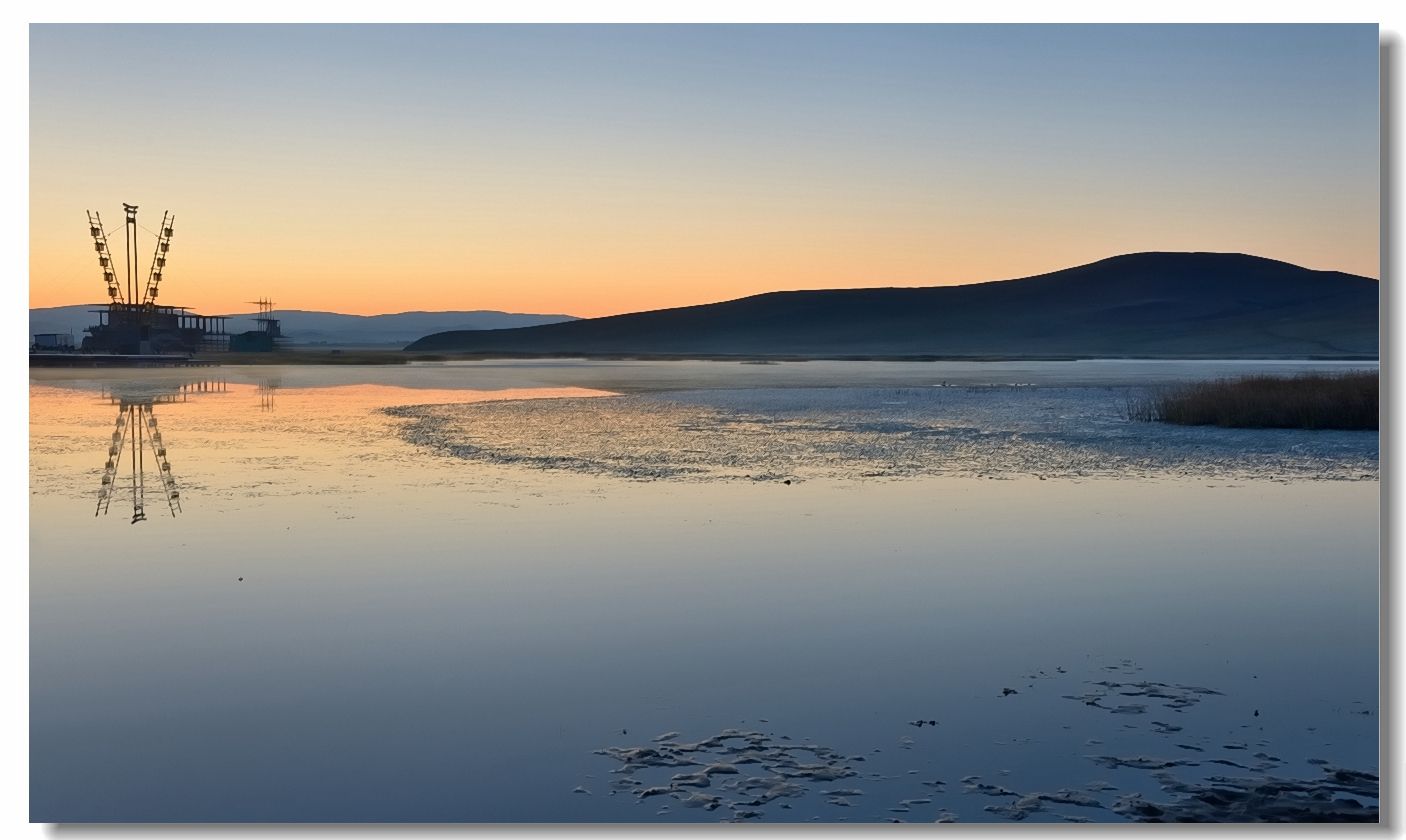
[(158, 260), (95, 227)]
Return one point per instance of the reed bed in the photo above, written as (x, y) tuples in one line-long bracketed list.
[(1305, 401)]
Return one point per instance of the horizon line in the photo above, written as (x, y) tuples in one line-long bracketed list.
[(1376, 279)]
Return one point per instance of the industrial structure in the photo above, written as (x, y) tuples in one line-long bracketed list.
[(132, 328), (53, 343), (133, 323), (264, 337)]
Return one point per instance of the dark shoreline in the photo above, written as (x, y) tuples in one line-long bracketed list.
[(354, 356), (390, 357)]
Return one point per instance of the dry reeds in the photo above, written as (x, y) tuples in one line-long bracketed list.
[(1306, 401)]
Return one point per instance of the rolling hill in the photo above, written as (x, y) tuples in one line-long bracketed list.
[(1144, 304)]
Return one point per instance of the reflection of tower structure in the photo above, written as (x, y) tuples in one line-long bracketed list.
[(137, 439), (267, 388), (136, 431)]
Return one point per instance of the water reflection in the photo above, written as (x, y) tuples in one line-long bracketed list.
[(438, 638), (219, 458), (267, 388), (135, 434)]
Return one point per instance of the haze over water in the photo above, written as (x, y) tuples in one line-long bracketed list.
[(434, 623)]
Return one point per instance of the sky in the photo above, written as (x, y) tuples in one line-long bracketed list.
[(598, 169)]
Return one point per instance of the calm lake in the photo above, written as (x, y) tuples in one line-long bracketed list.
[(531, 591)]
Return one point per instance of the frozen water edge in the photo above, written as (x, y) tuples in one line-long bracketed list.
[(859, 432)]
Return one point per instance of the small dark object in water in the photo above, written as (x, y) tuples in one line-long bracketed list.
[(1006, 692), (787, 482), (1257, 712), (241, 579)]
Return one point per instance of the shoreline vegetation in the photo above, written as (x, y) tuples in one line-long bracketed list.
[(1344, 401)]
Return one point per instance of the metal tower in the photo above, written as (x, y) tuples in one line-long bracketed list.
[(131, 210), (265, 319)]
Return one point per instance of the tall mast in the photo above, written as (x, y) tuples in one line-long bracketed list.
[(131, 250)]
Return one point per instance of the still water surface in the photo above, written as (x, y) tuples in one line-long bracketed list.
[(336, 621)]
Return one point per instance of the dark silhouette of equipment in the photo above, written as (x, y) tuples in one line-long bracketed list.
[(262, 339), (132, 322)]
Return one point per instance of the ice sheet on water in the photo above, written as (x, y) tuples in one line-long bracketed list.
[(1338, 796), (781, 433)]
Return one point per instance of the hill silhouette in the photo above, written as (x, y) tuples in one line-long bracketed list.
[(1144, 304)]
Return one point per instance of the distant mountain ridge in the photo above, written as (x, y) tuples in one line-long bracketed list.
[(312, 327), (1144, 304)]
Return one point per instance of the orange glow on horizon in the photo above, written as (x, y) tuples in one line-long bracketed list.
[(210, 274)]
